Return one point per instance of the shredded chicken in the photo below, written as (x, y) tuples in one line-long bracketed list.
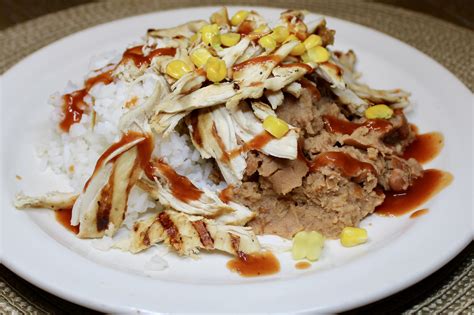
[(316, 168)]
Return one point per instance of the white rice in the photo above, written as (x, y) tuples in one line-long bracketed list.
[(75, 153)]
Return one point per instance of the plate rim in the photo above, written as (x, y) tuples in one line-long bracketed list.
[(71, 297)]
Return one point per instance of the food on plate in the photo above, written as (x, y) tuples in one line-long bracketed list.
[(205, 135), (351, 236)]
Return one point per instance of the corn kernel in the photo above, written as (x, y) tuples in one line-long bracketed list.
[(199, 57), (298, 50), (209, 32), (194, 38), (380, 111), (267, 42), (318, 54), (312, 41), (280, 33), (261, 29), (215, 69), (230, 39), (177, 68), (216, 42), (351, 236), (305, 57), (290, 38), (275, 126), (307, 245), (239, 17)]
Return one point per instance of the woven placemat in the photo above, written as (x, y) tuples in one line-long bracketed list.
[(450, 290)]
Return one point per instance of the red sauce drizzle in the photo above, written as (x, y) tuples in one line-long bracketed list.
[(297, 64), (74, 105), (418, 213), (302, 265), (63, 216), (226, 194), (181, 187), (256, 60), (311, 87), (196, 135), (345, 163), (336, 125), (144, 151), (422, 189), (254, 265), (425, 147), (258, 142), (136, 55), (245, 28)]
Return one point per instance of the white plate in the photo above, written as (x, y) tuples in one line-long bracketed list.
[(400, 252)]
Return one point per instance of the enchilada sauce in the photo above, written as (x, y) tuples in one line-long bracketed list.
[(346, 164), (423, 188), (301, 265), (425, 147), (254, 265), (63, 216), (181, 187), (346, 127), (418, 213)]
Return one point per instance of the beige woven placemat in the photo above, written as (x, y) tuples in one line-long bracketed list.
[(450, 45)]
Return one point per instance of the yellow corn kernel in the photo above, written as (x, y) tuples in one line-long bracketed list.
[(318, 54), (199, 57), (216, 42), (239, 17), (230, 39), (351, 236), (215, 69), (267, 42), (307, 245), (261, 29), (305, 57), (312, 41), (177, 68), (275, 126), (209, 32), (290, 38), (194, 38), (380, 111), (280, 33), (298, 50)]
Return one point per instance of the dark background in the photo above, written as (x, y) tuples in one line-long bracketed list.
[(459, 12)]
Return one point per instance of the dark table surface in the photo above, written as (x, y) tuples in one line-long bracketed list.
[(459, 12)]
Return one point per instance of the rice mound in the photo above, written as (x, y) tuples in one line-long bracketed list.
[(75, 153)]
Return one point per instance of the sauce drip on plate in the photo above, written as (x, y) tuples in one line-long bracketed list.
[(63, 216), (254, 265), (425, 147), (301, 265), (418, 213), (423, 188)]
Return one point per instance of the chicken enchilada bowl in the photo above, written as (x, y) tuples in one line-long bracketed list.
[(216, 133)]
